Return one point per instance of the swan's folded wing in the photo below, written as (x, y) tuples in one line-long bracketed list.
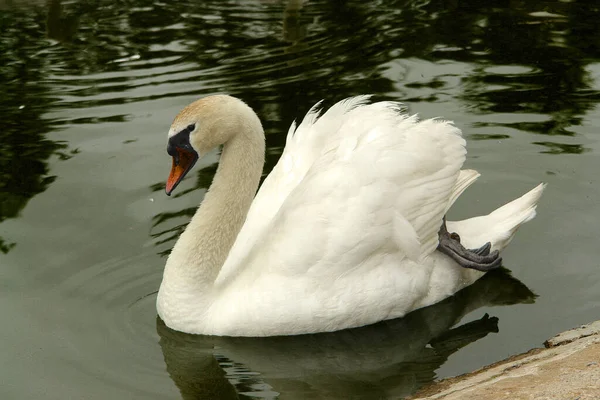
[(380, 184), (304, 145)]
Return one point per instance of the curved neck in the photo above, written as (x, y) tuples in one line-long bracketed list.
[(203, 247)]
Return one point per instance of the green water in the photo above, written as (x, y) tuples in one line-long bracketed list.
[(88, 90)]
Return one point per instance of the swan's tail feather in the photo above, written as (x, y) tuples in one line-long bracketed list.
[(499, 226), (512, 215)]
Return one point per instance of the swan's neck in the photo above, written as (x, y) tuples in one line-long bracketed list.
[(203, 247)]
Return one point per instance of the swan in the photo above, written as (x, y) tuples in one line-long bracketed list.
[(347, 230)]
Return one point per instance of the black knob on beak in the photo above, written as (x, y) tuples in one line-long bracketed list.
[(182, 141)]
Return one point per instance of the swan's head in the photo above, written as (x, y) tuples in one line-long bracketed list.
[(200, 127)]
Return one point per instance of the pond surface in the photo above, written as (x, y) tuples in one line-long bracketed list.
[(89, 89)]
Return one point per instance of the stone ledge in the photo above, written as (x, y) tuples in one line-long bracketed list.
[(569, 368)]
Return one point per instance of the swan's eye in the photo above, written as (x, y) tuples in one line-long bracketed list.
[(191, 127)]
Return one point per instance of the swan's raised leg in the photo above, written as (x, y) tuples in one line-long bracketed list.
[(480, 259)]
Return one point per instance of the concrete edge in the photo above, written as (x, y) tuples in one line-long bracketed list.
[(556, 348)]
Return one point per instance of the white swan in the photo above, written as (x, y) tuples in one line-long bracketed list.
[(343, 231)]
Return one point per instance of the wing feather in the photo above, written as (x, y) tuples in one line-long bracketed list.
[(360, 180)]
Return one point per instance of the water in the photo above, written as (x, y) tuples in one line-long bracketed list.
[(89, 89)]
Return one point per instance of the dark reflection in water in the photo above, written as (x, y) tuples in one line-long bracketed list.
[(548, 44), (61, 26), (391, 359), (26, 97)]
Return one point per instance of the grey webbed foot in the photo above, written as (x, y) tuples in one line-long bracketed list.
[(480, 259), (483, 250)]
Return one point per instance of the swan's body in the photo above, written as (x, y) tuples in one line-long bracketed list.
[(343, 231)]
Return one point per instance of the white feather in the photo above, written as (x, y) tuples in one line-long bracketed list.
[(363, 169)]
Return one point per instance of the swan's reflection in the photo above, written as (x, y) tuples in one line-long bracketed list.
[(390, 359)]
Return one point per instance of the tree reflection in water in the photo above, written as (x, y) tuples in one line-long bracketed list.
[(26, 97)]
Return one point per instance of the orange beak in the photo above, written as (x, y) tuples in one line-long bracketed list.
[(182, 164)]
